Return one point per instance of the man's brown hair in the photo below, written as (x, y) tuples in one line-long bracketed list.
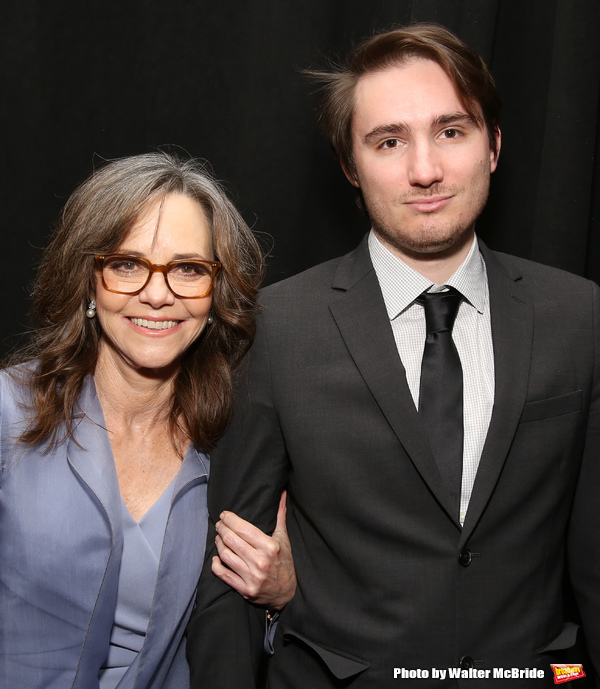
[(464, 67)]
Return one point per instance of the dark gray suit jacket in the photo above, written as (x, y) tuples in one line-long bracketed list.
[(386, 577)]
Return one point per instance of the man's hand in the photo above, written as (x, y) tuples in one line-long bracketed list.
[(257, 566)]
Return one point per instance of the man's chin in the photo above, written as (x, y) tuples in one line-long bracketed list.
[(433, 249), (428, 244)]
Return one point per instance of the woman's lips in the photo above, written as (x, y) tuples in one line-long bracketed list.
[(154, 325)]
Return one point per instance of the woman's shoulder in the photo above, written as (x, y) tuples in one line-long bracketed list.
[(15, 402), (15, 396), (15, 383)]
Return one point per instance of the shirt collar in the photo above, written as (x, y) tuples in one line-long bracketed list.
[(401, 285)]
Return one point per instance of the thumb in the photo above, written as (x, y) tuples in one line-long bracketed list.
[(280, 526)]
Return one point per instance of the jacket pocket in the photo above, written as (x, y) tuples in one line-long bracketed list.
[(565, 639), (551, 407), (341, 665)]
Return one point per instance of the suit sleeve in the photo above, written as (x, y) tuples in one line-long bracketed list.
[(584, 536), (248, 472)]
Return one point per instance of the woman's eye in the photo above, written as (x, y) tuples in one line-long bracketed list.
[(123, 266), (190, 270)]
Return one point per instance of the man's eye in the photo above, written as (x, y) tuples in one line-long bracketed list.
[(390, 143), (451, 133)]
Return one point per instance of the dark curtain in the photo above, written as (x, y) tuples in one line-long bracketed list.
[(83, 82)]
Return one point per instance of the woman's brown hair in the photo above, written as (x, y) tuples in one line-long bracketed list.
[(95, 220)]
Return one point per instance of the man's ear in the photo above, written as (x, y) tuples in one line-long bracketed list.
[(350, 175), (494, 155)]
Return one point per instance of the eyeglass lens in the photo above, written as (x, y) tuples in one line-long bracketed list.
[(186, 279)]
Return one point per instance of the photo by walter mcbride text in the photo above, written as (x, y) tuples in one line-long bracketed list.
[(471, 673)]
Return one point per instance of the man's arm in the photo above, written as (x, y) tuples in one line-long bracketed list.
[(248, 474), (584, 536)]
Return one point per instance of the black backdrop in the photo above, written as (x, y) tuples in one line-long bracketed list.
[(84, 81)]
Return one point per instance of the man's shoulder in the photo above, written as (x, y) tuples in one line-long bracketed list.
[(537, 275), (315, 279), (304, 300), (318, 283)]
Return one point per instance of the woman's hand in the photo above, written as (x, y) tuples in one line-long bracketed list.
[(257, 566)]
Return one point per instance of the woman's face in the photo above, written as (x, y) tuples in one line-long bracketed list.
[(149, 331)]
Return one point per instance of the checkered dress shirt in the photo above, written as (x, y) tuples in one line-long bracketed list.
[(472, 335)]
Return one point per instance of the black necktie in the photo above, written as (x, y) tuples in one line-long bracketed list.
[(441, 391)]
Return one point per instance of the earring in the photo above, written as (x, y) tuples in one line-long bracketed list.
[(209, 320), (91, 309)]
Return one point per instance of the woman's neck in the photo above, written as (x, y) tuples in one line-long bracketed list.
[(138, 400)]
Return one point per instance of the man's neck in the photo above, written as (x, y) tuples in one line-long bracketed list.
[(438, 267)]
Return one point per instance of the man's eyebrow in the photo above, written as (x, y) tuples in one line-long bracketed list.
[(395, 129), (454, 118), (399, 128)]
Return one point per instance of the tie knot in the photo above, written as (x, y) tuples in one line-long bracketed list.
[(440, 309)]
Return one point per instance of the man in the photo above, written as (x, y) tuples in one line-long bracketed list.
[(412, 564)]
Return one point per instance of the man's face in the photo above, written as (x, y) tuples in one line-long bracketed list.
[(422, 164)]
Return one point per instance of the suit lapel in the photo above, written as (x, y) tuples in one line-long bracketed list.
[(177, 564), (90, 454), (512, 331), (360, 314)]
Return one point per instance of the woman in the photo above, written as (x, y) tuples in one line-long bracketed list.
[(145, 298)]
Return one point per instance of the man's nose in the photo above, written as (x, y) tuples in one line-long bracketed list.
[(424, 164)]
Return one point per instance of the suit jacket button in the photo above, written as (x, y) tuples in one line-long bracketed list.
[(465, 557), (466, 663)]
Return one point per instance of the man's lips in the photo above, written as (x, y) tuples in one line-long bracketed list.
[(428, 204)]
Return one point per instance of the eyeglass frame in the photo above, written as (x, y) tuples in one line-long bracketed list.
[(158, 268)]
